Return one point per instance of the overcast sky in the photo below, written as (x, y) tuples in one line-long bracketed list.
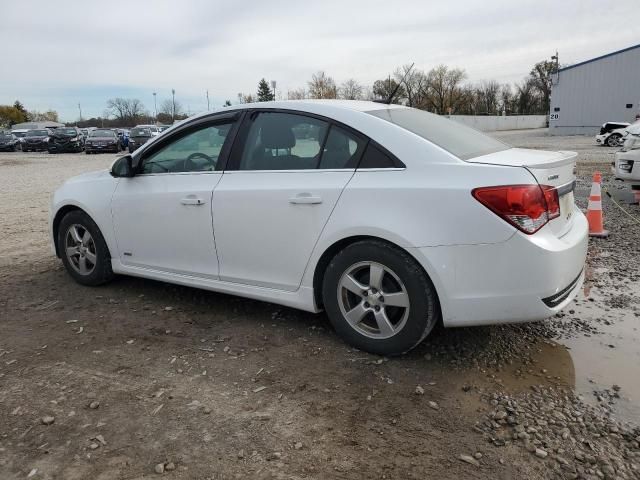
[(57, 54)]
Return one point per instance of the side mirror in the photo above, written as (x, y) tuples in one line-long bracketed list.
[(123, 167)]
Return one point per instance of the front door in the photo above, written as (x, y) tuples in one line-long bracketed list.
[(163, 216)]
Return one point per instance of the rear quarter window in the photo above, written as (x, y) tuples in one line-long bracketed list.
[(458, 139)]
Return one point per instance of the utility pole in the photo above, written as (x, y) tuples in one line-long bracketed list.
[(155, 107), (80, 110), (173, 103), (207, 100), (273, 86)]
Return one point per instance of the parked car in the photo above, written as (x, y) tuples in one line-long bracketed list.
[(626, 165), (66, 139), (162, 128), (390, 219), (36, 140), (19, 134), (611, 133), (123, 136), (102, 140), (139, 136), (9, 142)]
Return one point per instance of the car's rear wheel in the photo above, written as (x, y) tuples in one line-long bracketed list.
[(613, 140), (83, 249), (378, 298)]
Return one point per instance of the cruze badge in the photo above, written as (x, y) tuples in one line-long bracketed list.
[(552, 177)]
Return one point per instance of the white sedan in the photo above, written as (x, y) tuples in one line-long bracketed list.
[(390, 219)]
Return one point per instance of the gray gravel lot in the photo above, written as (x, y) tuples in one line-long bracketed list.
[(138, 376)]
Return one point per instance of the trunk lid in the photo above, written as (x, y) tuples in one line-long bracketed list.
[(556, 169)]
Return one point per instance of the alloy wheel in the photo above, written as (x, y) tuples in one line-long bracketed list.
[(373, 300), (80, 249)]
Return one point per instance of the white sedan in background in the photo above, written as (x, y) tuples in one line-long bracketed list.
[(390, 219), (611, 134)]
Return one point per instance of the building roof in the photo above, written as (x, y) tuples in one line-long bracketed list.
[(599, 58), (36, 125)]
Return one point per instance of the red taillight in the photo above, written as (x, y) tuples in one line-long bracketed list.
[(526, 207)]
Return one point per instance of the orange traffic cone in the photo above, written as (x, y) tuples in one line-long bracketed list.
[(594, 210)]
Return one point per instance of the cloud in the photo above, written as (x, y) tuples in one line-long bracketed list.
[(58, 54)]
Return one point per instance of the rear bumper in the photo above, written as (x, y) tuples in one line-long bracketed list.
[(525, 278)]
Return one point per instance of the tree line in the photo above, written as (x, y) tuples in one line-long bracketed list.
[(442, 90)]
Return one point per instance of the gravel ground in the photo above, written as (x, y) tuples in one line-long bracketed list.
[(140, 377)]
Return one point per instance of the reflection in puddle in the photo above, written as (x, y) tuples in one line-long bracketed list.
[(598, 362)]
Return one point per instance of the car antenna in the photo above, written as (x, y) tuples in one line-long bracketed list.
[(389, 99)]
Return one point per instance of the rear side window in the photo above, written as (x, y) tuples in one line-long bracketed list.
[(374, 157), (458, 139), (342, 149), (283, 141)]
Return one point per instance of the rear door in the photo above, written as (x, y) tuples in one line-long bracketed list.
[(286, 175)]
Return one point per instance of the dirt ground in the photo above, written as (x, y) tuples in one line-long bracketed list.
[(135, 377)]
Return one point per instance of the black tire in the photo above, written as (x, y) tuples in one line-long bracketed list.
[(423, 311), (102, 272), (613, 139)]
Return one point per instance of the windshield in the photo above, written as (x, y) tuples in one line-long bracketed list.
[(458, 139), (101, 133), (37, 133), (140, 132), (66, 131)]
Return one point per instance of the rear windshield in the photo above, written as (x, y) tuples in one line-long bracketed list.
[(458, 139), (37, 133), (102, 133), (140, 132)]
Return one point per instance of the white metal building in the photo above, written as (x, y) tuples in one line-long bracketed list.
[(590, 93)]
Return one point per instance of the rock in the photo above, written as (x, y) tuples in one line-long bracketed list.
[(170, 466), (241, 454), (159, 468), (94, 446), (500, 415), (94, 405), (477, 455), (168, 309), (541, 453), (274, 456), (469, 459), (47, 420), (419, 390), (298, 445), (206, 410), (433, 405)]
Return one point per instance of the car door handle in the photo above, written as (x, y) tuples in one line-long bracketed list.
[(305, 198), (192, 200)]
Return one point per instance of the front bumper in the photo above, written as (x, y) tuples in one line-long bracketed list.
[(526, 278), (55, 147), (631, 172), (102, 148), (35, 146), (600, 139)]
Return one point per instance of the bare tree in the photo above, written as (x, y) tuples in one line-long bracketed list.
[(297, 94), (541, 80), (506, 98), (49, 115), (351, 90), (127, 110), (444, 89), (486, 97), (167, 106), (382, 89), (527, 99), (414, 83), (322, 86), (245, 98)]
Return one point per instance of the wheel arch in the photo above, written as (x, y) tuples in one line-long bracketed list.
[(332, 251), (57, 219)]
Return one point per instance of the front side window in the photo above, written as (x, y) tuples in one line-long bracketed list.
[(283, 141), (197, 151)]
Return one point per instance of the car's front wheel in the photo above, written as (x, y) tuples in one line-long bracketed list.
[(614, 140), (378, 298), (83, 249)]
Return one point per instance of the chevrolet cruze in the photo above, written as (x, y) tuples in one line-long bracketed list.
[(388, 218)]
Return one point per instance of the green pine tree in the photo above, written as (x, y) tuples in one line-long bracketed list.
[(264, 91)]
